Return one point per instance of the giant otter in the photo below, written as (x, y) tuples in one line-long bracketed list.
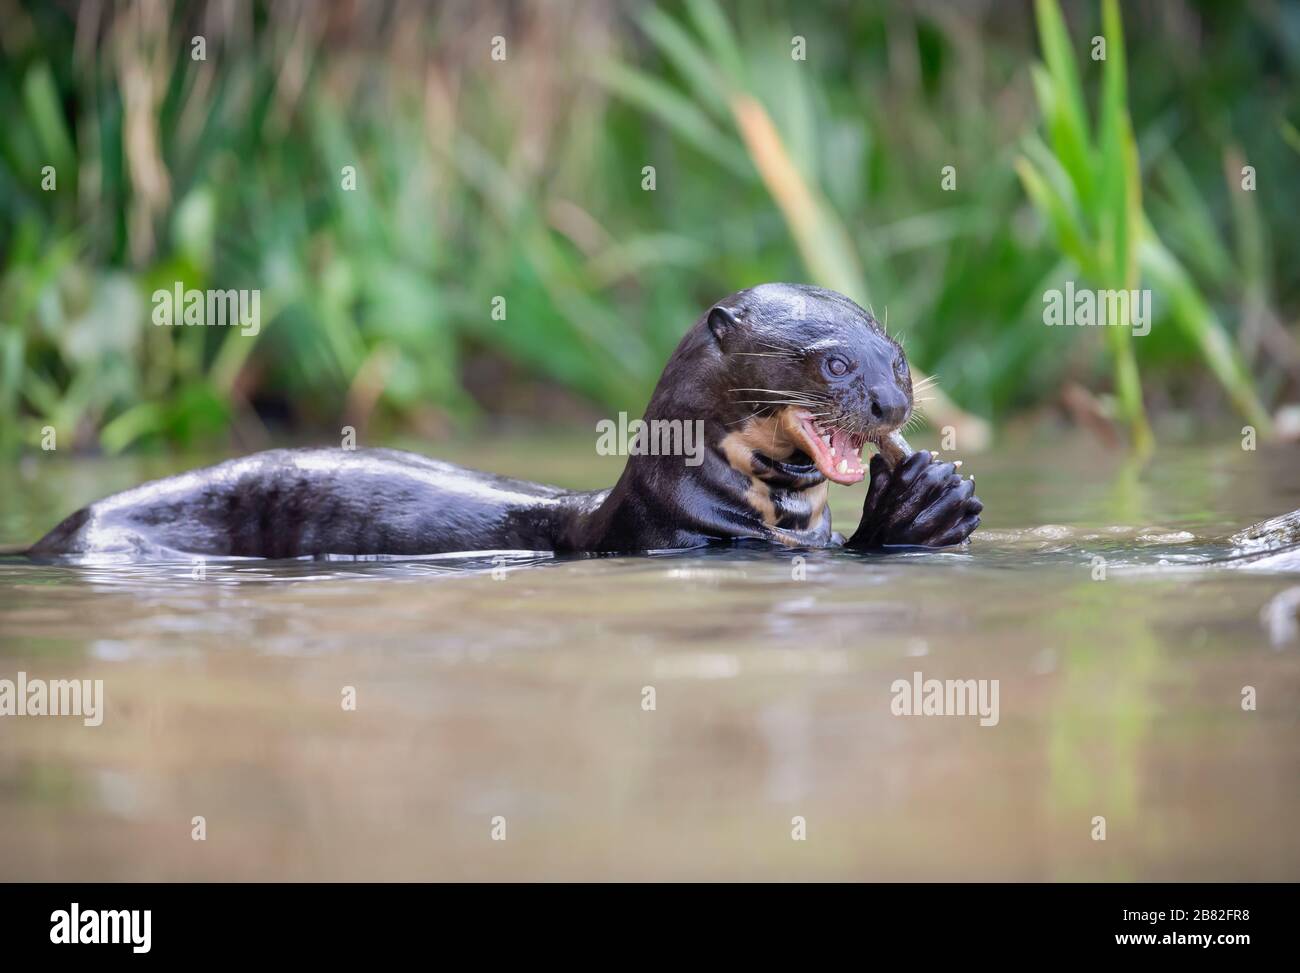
[(789, 382)]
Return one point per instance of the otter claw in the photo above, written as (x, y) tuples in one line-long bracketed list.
[(920, 501)]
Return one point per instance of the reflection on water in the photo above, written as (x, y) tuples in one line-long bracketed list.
[(1099, 596)]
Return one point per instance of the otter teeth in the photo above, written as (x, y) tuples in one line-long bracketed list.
[(851, 457)]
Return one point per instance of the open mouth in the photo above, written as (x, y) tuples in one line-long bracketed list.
[(836, 453)]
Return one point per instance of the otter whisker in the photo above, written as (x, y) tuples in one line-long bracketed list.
[(776, 402), (786, 400), (746, 419), (794, 392), (789, 399), (757, 412), (785, 349)]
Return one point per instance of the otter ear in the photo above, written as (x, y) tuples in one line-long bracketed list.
[(723, 323)]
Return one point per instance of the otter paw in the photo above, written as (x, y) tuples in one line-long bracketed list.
[(922, 503)]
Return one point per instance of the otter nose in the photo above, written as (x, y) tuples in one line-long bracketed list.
[(888, 404)]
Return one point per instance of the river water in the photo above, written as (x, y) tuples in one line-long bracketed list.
[(682, 716)]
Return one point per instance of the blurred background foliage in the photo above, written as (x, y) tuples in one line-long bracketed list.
[(523, 179)]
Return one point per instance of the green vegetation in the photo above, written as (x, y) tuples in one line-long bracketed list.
[(522, 179), (1090, 193)]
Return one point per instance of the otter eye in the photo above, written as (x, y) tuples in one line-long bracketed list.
[(900, 367), (837, 366)]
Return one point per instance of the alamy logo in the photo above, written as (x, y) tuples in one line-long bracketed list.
[(1084, 307), (55, 697), (212, 308), (946, 697), (658, 437), (131, 926)]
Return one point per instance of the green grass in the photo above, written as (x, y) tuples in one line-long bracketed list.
[(1087, 186), (523, 180)]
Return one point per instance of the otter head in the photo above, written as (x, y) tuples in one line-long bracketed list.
[(809, 378)]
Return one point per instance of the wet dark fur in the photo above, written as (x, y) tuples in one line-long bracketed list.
[(776, 338)]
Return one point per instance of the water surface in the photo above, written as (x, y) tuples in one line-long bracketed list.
[(513, 688)]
